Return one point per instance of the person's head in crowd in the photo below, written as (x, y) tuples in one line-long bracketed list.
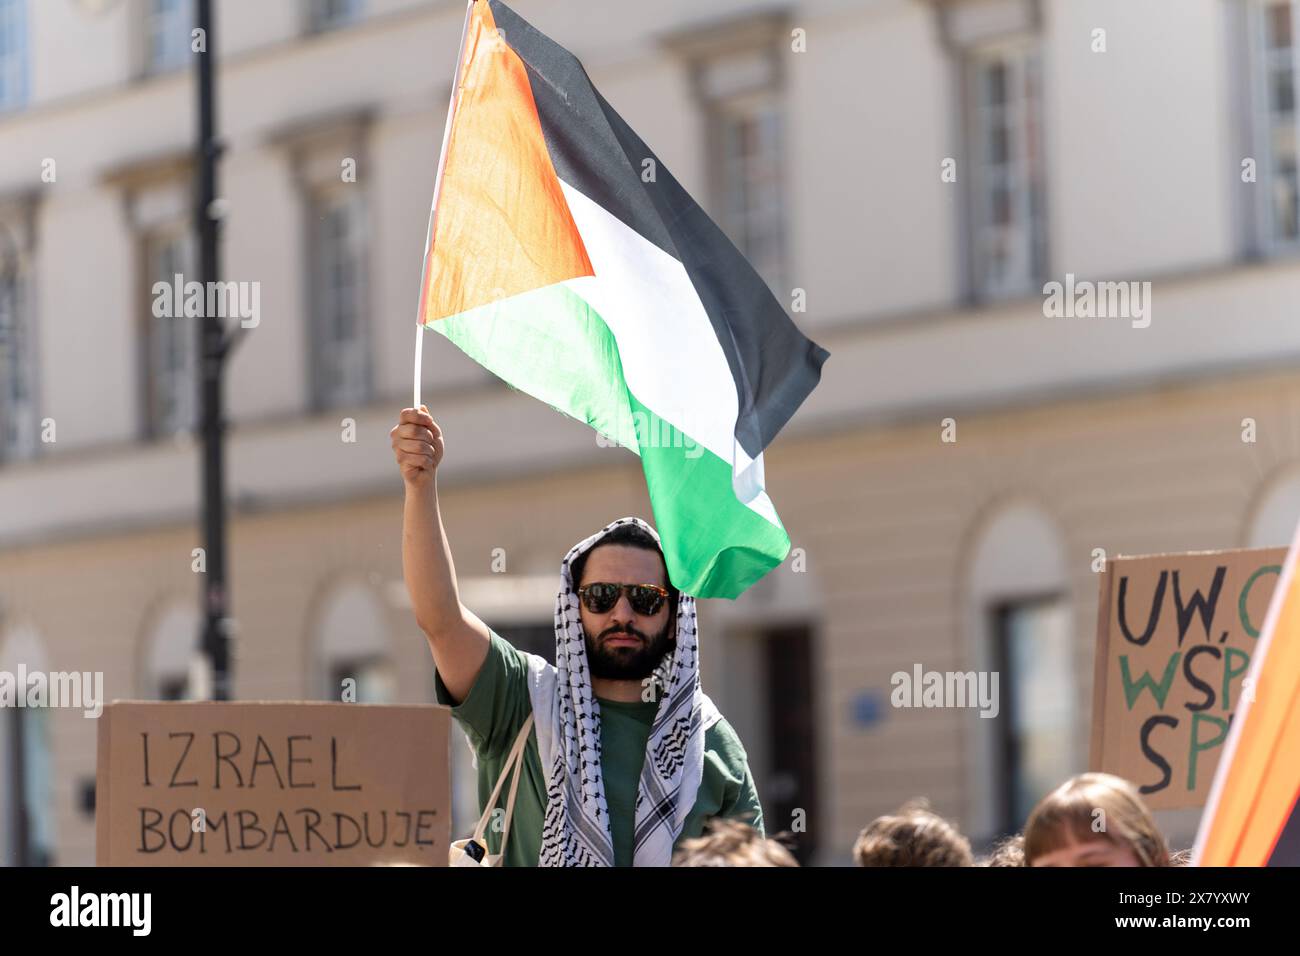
[(732, 843), (1094, 819), (914, 836), (1008, 852), (1180, 857)]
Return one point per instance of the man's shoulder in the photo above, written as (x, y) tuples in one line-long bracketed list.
[(538, 667), (722, 739), (505, 669), (514, 656), (535, 673)]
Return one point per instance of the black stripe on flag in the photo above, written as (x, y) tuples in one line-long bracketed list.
[(774, 366), (1287, 850)]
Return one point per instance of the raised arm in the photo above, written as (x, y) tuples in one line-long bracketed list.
[(457, 638)]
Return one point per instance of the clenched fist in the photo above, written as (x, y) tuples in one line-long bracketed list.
[(418, 446)]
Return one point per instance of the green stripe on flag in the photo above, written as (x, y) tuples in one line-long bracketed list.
[(551, 344), (714, 544)]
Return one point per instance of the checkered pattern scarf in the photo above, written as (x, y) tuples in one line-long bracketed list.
[(576, 829)]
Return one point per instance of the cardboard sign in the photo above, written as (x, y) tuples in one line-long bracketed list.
[(272, 784), (1175, 634)]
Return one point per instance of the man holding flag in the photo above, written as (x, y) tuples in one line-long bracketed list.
[(627, 754), (564, 257)]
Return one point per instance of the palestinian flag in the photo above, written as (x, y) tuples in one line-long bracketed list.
[(1251, 818), (565, 258)]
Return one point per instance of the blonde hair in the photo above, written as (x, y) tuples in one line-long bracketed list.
[(914, 836), (732, 843), (1068, 815)]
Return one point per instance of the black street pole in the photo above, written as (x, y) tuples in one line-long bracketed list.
[(215, 595)]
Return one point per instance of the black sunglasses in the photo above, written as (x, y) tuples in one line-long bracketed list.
[(645, 599)]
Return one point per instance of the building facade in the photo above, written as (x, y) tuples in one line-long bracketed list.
[(910, 176)]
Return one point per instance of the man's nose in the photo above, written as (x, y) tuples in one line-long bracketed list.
[(622, 612)]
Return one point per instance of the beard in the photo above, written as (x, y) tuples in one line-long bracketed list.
[(628, 663)]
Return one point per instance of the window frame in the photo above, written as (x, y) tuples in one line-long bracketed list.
[(16, 292), (323, 394), (28, 732), (315, 21), (153, 426), (1263, 126), (368, 669), (1013, 818), (725, 112), (28, 821), (152, 27), (1028, 178), (13, 13)]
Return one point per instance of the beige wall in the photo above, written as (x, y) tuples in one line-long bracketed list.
[(891, 516)]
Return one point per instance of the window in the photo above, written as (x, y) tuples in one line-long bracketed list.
[(1275, 96), (18, 419), (1036, 721), (26, 803), (26, 773), (1007, 236), (737, 73), (352, 644), (335, 248), (171, 341), (375, 682), (340, 347), (790, 694), (170, 647), (329, 14), (750, 134), (1275, 511), (1017, 623), (13, 54), (167, 26)]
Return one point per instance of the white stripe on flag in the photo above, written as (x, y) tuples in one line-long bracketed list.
[(672, 360)]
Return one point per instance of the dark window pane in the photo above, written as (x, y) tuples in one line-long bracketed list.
[(1282, 90), (995, 84), (1279, 26), (1033, 652), (999, 143), (1003, 203), (1285, 199)]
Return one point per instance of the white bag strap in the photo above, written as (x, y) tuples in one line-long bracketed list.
[(510, 804), (514, 761)]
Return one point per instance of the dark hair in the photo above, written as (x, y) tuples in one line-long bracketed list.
[(632, 536), (1007, 852), (914, 836)]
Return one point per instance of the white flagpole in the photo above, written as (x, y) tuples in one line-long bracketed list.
[(433, 207)]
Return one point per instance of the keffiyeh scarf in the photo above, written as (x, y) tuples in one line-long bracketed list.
[(576, 829)]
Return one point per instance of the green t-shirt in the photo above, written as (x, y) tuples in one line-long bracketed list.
[(496, 708)]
